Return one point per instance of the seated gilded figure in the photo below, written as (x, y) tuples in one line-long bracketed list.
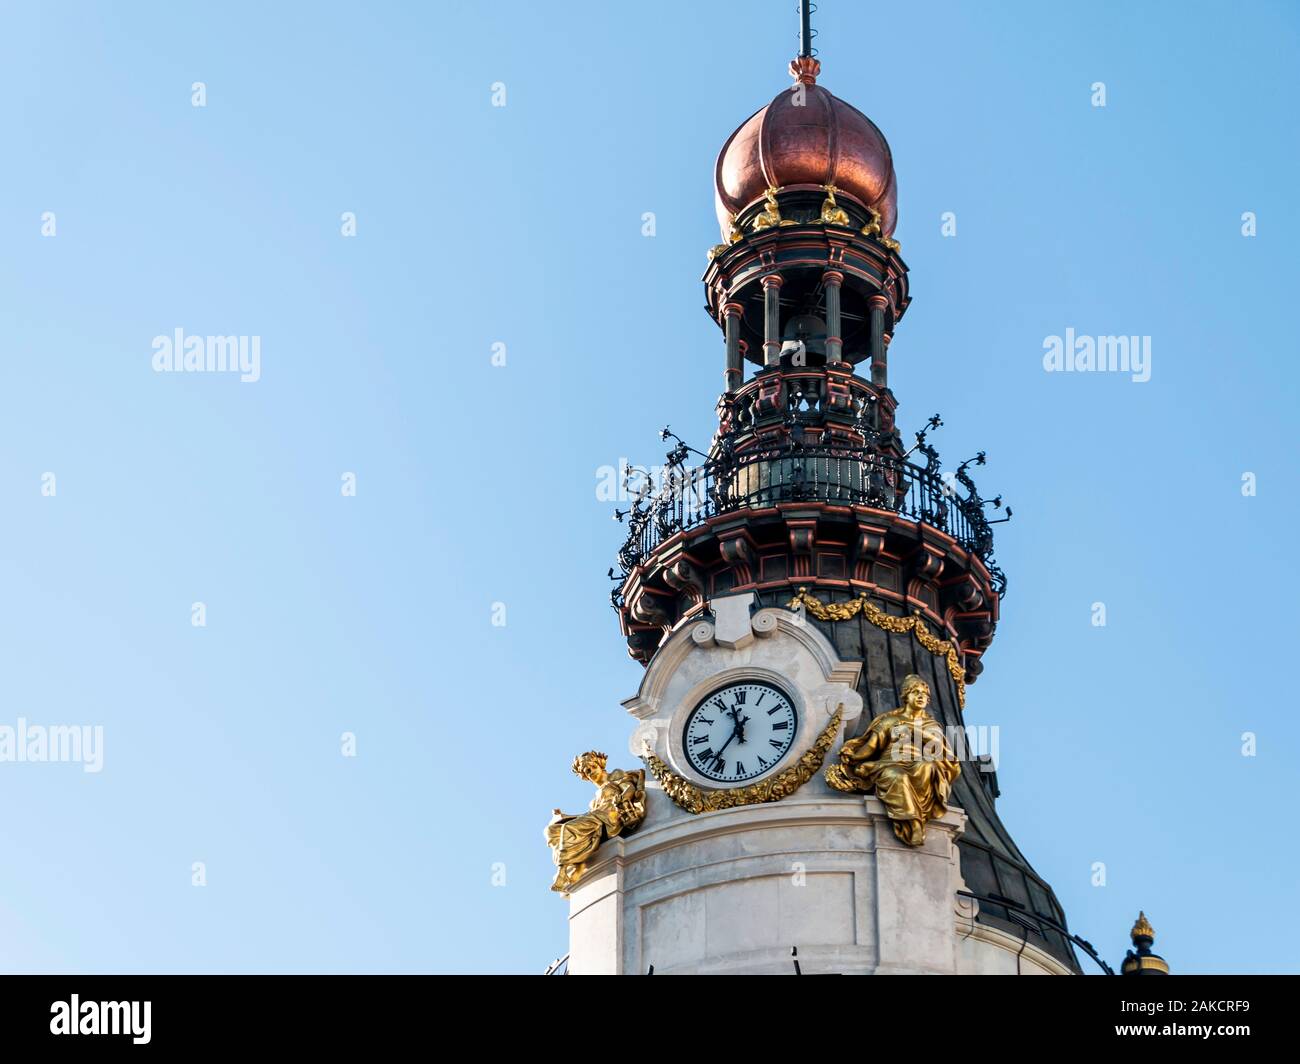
[(619, 806), (903, 758), (770, 215), (872, 228), (832, 212)]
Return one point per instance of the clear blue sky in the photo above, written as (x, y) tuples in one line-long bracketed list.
[(476, 484)]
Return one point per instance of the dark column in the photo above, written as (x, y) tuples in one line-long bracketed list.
[(735, 373), (833, 279), (879, 365), (772, 319)]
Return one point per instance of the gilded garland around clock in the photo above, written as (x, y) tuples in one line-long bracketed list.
[(739, 731), (698, 800), (845, 611)]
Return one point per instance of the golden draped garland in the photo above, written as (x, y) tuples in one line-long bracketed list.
[(697, 800), (845, 611)]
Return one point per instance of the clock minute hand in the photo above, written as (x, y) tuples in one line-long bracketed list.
[(718, 756)]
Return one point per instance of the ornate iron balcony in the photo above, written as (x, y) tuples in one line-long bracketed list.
[(790, 472)]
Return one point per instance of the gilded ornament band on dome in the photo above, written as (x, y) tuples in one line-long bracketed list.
[(698, 800), (1135, 964), (846, 611)]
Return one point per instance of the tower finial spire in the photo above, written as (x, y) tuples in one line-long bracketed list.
[(804, 67)]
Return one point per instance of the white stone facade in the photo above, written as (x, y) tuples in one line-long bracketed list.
[(734, 891)]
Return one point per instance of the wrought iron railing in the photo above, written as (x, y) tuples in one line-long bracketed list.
[(686, 497)]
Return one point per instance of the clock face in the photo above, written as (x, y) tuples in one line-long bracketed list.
[(740, 731)]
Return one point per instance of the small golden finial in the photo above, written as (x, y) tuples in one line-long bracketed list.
[(1142, 929)]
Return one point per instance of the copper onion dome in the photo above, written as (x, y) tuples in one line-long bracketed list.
[(806, 136)]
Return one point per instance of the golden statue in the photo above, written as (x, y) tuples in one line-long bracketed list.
[(619, 806), (905, 760), (770, 215), (872, 228), (734, 235), (832, 212)]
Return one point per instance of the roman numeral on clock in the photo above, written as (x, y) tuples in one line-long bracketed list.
[(782, 726), (700, 739), (740, 768), (776, 743)]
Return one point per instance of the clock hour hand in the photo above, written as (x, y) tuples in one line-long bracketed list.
[(738, 721)]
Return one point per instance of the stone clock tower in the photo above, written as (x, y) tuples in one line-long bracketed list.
[(810, 573)]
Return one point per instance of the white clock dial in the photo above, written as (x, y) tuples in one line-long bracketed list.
[(740, 731)]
